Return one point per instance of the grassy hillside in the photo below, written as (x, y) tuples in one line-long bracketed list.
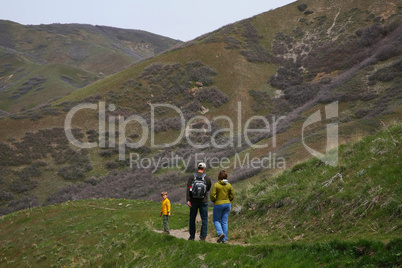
[(346, 52), (358, 199), (105, 233), (302, 217), (66, 57)]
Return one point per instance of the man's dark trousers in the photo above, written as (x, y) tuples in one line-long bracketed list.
[(203, 208)]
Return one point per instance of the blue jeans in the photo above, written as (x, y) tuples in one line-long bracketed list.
[(220, 219), (203, 208)]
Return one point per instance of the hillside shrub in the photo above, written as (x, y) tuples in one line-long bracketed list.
[(261, 98), (388, 51), (362, 113), (71, 173), (93, 181), (92, 99), (22, 185), (79, 163), (122, 185), (302, 7), (23, 203), (51, 111), (371, 34), (321, 20), (287, 75), (387, 74), (152, 69), (256, 53), (106, 153), (198, 71), (212, 94), (298, 95), (5, 196), (278, 48), (232, 43), (111, 165), (30, 172), (36, 116), (92, 135), (250, 33)]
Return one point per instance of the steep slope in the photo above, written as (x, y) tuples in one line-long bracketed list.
[(73, 55), (302, 217), (342, 58), (358, 199)]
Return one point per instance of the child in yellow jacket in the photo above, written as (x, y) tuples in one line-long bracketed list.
[(165, 211)]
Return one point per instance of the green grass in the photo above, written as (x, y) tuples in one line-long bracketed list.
[(54, 86), (90, 233), (351, 223), (310, 200)]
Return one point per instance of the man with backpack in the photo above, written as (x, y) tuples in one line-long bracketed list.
[(198, 186)]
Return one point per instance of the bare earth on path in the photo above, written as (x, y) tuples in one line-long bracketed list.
[(211, 238)]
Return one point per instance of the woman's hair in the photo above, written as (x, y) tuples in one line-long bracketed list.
[(223, 175)]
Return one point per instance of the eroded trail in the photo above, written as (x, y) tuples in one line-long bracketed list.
[(211, 238)]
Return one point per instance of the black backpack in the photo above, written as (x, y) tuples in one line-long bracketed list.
[(198, 188)]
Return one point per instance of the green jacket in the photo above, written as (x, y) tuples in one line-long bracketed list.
[(222, 193)]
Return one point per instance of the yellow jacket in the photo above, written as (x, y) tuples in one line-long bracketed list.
[(165, 207), (222, 193)]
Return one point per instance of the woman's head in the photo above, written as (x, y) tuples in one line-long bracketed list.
[(223, 175)]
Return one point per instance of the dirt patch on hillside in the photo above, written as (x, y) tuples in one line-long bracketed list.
[(211, 238)]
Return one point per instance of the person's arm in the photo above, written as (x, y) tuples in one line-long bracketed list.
[(168, 207), (209, 184), (231, 193), (189, 181), (212, 196), (188, 190)]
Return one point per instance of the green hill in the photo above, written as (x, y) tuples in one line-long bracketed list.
[(340, 57), (358, 199), (65, 57), (303, 217)]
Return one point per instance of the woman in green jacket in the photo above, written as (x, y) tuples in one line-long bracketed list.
[(222, 194)]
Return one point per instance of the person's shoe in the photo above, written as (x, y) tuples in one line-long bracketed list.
[(191, 238), (224, 242), (221, 237), (166, 232), (203, 238)]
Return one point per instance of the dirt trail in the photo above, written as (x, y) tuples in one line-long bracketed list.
[(211, 238)]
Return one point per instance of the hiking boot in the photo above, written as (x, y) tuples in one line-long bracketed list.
[(221, 237), (191, 238), (203, 238)]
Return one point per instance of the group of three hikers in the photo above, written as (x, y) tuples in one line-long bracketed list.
[(197, 189)]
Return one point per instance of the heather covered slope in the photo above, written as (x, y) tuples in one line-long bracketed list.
[(343, 52), (65, 57)]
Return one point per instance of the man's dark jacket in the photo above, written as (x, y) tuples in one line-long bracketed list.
[(190, 182)]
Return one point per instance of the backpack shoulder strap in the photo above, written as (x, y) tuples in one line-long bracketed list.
[(202, 176)]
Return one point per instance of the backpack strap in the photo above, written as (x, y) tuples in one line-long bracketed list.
[(202, 176)]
